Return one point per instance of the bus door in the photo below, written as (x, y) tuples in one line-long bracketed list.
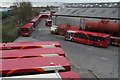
[(80, 37)]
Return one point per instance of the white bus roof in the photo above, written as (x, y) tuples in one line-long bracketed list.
[(50, 75), (57, 75), (71, 31)]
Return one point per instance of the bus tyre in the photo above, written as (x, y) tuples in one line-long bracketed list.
[(95, 45)]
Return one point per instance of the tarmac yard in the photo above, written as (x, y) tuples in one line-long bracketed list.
[(83, 58)]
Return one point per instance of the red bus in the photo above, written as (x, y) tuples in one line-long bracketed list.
[(35, 21), (62, 29), (91, 38), (45, 14), (28, 45), (34, 65), (69, 75), (27, 29), (36, 52), (115, 41), (48, 22)]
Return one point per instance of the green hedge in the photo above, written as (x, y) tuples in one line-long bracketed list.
[(10, 31)]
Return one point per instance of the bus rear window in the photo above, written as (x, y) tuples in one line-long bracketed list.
[(24, 30)]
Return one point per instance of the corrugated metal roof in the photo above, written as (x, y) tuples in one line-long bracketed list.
[(93, 10)]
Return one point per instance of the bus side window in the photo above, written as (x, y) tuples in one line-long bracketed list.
[(76, 35), (101, 39), (93, 38), (83, 36)]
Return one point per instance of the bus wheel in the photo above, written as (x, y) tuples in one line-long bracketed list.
[(95, 45)]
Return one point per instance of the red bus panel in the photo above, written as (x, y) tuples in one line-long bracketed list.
[(36, 52), (34, 65), (45, 15), (27, 45), (69, 75)]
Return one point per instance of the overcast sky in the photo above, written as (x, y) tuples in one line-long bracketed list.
[(68, 1)]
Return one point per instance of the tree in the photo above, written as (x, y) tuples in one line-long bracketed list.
[(23, 10), (47, 8)]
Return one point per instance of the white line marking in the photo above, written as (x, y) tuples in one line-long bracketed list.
[(43, 29), (90, 49), (104, 58)]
